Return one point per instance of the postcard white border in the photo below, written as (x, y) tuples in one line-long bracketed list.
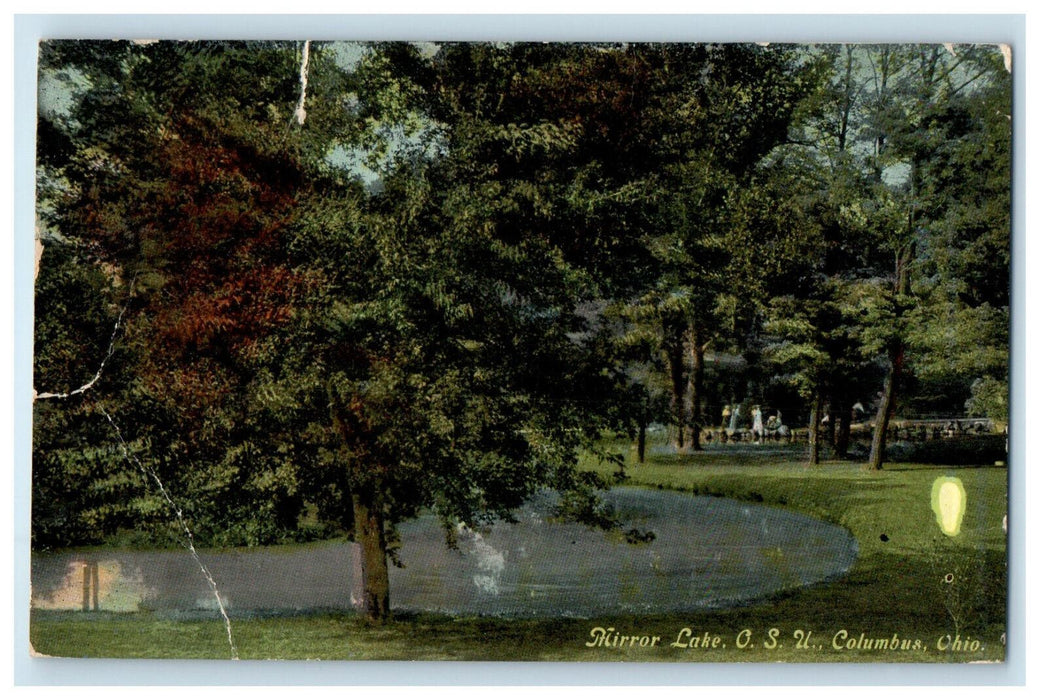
[(29, 29)]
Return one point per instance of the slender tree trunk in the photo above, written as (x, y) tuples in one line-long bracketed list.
[(843, 435), (370, 534), (830, 428), (894, 371), (698, 345), (641, 436), (813, 438), (886, 410), (678, 380)]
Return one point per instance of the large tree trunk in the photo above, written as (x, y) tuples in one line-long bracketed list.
[(697, 385), (368, 519), (370, 535)]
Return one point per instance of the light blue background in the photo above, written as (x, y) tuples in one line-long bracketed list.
[(781, 28)]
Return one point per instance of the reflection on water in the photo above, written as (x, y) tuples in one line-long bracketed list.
[(91, 584), (256, 580), (705, 552)]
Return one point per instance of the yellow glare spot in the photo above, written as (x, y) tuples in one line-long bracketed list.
[(949, 501)]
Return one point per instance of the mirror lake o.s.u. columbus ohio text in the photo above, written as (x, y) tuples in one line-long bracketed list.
[(842, 640)]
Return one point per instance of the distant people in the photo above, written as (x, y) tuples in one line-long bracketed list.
[(757, 425), (725, 416), (858, 412), (736, 416), (773, 423)]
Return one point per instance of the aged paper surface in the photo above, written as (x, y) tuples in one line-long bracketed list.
[(522, 351)]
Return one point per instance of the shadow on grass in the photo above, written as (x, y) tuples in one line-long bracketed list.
[(886, 594), (907, 467)]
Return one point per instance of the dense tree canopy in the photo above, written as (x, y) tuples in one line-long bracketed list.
[(322, 287)]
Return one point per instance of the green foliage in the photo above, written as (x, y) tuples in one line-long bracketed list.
[(178, 217), (898, 161), (464, 265), (989, 398)]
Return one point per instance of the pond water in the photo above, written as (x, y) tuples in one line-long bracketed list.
[(702, 552), (689, 553)]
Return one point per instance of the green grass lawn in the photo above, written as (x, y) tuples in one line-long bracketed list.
[(910, 587)]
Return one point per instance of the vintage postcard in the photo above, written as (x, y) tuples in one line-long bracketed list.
[(675, 352)]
